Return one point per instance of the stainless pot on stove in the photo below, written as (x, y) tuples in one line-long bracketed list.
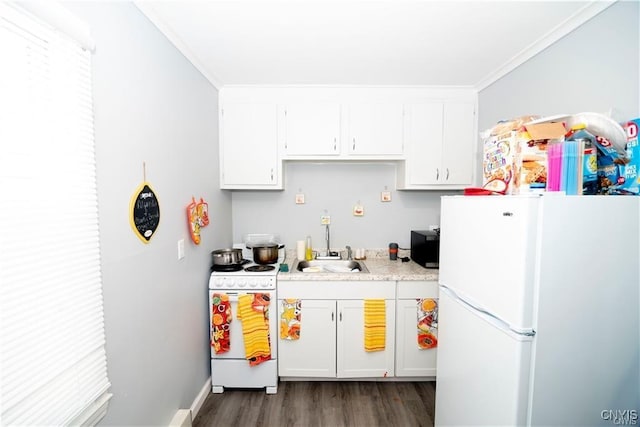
[(226, 257), (265, 253)]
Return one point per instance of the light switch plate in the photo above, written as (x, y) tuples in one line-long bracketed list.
[(180, 249), (385, 196)]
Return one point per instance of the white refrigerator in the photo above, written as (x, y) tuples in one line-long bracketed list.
[(538, 317)]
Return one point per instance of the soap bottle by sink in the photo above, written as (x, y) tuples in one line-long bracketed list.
[(308, 254)]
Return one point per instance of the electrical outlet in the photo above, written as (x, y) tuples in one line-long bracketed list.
[(299, 199), (385, 196), (325, 220)]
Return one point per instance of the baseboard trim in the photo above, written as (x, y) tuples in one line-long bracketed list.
[(200, 398)]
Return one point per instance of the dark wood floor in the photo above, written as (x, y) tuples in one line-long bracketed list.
[(316, 403)]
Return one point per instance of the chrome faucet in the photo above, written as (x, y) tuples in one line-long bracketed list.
[(349, 253), (328, 254)]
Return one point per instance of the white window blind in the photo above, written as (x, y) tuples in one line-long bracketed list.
[(53, 367)]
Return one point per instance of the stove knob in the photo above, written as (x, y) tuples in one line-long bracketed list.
[(219, 281), (241, 283), (253, 282)]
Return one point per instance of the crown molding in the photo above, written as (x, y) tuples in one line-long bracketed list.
[(568, 25), (147, 9)]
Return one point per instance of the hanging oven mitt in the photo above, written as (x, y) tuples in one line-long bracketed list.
[(194, 223), (427, 323), (220, 319), (202, 209)]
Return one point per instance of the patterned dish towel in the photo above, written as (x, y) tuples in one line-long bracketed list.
[(290, 319), (253, 311), (427, 323), (220, 319), (374, 324)]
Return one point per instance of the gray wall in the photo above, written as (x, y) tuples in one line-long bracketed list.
[(594, 68), (336, 188), (151, 105)]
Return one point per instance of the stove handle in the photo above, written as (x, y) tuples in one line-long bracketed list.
[(233, 296)]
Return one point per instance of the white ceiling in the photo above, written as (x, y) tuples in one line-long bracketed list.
[(355, 42)]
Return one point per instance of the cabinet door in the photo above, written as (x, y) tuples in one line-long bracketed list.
[(458, 143), (411, 361), (248, 146), (440, 138), (314, 354), (424, 136), (375, 129), (353, 361), (311, 129)]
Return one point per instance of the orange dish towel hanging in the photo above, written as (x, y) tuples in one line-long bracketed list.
[(375, 320), (220, 319), (427, 323), (253, 312), (290, 319)]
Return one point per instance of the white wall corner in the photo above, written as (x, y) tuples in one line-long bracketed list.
[(568, 25)]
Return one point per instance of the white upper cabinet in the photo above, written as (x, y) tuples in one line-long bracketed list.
[(459, 140), (424, 143), (310, 129), (249, 146), (375, 129), (439, 149), (429, 132)]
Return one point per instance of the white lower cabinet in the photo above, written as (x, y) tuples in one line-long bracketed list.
[(411, 361), (314, 354), (331, 343), (352, 360)]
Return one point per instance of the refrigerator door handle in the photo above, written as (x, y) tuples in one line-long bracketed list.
[(489, 316)]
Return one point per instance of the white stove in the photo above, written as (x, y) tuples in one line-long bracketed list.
[(231, 369)]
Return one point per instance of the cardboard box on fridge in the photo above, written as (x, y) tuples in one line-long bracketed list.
[(620, 175), (519, 157)]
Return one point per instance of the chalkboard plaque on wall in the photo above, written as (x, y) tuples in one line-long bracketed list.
[(145, 212)]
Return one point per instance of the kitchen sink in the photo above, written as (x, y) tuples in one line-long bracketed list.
[(330, 266)]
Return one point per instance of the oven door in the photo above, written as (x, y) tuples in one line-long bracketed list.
[(236, 341)]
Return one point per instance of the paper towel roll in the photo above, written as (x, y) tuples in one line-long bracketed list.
[(300, 247)]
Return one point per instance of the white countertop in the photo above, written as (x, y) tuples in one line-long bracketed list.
[(380, 268)]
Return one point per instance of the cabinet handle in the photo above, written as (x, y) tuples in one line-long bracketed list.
[(437, 174), (354, 145), (341, 316), (447, 178), (334, 143), (271, 174), (332, 316)]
